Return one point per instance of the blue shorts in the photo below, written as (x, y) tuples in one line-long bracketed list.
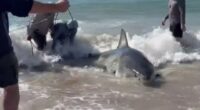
[(8, 70)]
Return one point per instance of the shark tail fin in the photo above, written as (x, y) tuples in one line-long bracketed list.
[(123, 41)]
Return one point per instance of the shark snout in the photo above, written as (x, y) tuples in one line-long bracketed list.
[(156, 80)]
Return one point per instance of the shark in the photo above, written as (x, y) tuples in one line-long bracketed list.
[(125, 61)]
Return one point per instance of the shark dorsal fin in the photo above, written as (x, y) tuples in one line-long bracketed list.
[(123, 41)]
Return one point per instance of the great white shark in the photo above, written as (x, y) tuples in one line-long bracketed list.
[(125, 61)]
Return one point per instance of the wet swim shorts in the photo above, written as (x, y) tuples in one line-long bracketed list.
[(8, 70)]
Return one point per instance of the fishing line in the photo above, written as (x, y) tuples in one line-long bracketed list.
[(70, 14), (32, 47), (41, 21)]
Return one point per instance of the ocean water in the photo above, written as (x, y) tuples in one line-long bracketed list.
[(136, 16), (47, 85)]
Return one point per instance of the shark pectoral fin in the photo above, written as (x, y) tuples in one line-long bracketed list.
[(123, 41), (138, 75)]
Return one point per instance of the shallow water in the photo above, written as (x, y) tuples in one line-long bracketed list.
[(77, 85), (91, 89)]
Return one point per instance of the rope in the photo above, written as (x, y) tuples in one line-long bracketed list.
[(29, 23), (70, 14), (28, 26), (43, 20), (32, 47)]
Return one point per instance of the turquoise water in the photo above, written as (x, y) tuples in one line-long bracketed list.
[(137, 16), (103, 20)]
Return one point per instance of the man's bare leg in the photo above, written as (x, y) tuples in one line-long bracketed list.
[(11, 97)]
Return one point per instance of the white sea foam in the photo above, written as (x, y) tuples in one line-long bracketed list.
[(158, 45)]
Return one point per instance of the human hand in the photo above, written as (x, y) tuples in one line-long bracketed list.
[(63, 5), (163, 23), (29, 38)]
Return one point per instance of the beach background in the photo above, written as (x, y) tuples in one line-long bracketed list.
[(47, 85)]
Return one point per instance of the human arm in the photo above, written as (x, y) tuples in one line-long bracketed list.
[(60, 6), (165, 19), (16, 7), (21, 8)]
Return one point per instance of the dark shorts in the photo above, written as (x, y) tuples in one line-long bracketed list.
[(39, 39), (8, 70), (176, 30)]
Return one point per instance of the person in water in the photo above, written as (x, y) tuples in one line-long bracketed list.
[(176, 16), (39, 27), (8, 60)]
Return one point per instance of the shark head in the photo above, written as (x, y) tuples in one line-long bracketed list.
[(148, 77)]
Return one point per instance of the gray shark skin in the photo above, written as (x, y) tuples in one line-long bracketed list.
[(126, 62), (122, 62)]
